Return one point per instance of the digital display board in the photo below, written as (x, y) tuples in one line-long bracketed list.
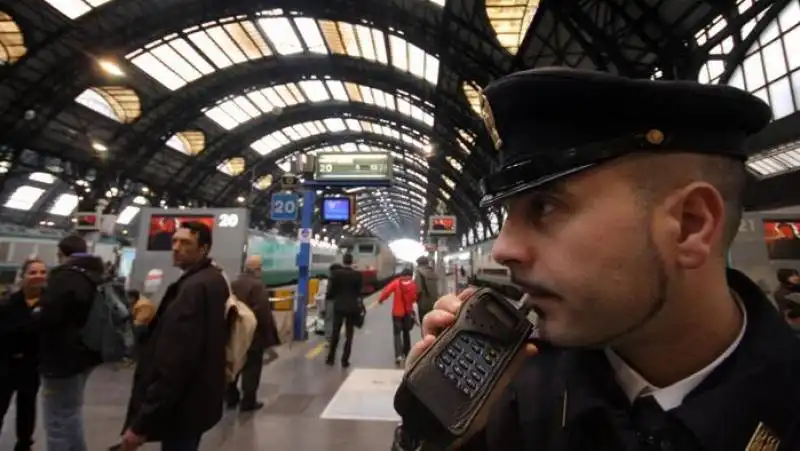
[(782, 238), (336, 210), (442, 225), (162, 227), (353, 166), (86, 222)]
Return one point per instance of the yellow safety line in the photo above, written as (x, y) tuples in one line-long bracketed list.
[(320, 346)]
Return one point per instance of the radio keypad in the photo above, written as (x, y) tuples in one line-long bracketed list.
[(467, 361)]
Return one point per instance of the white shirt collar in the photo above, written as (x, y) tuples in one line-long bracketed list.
[(634, 385)]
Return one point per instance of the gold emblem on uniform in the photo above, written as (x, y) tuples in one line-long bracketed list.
[(488, 121), (654, 137), (763, 439)]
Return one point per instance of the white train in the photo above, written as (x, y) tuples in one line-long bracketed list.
[(481, 269)]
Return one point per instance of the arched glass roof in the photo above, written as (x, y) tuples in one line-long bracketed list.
[(296, 132), (770, 70), (77, 8), (184, 57), (234, 111)]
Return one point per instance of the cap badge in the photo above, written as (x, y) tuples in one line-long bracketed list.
[(488, 121), (763, 439), (654, 137)]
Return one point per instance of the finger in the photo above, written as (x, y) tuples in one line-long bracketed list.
[(530, 349), (418, 348), (449, 303), (436, 321), (467, 292)]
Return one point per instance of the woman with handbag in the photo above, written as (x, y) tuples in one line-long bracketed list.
[(404, 293)]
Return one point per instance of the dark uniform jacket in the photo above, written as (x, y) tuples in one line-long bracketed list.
[(568, 400), (250, 290), (344, 287), (179, 382), (64, 308), (19, 334)]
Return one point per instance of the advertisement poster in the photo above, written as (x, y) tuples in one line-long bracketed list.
[(162, 227), (783, 239)]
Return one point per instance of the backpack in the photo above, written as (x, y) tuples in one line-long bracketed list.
[(108, 330), (242, 324)]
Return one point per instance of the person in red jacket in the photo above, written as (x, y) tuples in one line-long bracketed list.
[(404, 293)]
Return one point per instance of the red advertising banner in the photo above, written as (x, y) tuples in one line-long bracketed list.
[(783, 239), (162, 227)]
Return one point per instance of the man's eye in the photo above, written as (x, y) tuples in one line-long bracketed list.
[(541, 207)]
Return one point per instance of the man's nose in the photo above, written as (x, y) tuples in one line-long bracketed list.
[(512, 246)]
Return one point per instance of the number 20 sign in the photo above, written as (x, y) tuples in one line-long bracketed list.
[(283, 207)]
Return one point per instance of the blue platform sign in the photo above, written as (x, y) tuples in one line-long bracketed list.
[(283, 207)]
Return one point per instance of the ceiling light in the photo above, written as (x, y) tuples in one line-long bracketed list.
[(98, 146), (111, 68)]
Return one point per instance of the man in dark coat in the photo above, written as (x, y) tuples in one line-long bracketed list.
[(623, 199), (344, 288), (179, 384), (249, 288), (65, 363)]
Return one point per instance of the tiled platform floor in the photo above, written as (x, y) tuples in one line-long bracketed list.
[(297, 389)]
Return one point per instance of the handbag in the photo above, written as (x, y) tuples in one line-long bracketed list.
[(362, 314)]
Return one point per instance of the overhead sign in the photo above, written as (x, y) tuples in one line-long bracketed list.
[(283, 207), (354, 166), (442, 225)]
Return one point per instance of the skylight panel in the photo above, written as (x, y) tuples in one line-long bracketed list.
[(455, 163), (283, 37), (285, 165), (64, 205), (222, 118), (230, 107), (399, 55), (261, 101), (416, 61), (365, 41), (94, 101), (246, 106), (226, 45), (444, 194), (272, 95), (211, 50), (379, 98), (127, 214), (448, 181), (431, 69), (311, 35), (314, 90), (178, 144), (150, 65), (353, 125), (265, 145), (291, 133), (24, 198), (349, 147), (187, 51), (248, 39), (177, 63), (334, 125), (42, 177), (337, 90), (302, 131), (288, 98), (75, 8), (785, 158), (366, 94)]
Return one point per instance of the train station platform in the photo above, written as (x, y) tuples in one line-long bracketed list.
[(308, 405)]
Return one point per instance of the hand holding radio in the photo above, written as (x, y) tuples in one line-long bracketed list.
[(473, 346)]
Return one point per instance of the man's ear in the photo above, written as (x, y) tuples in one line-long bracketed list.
[(699, 212)]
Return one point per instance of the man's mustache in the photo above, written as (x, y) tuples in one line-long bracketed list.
[(534, 289)]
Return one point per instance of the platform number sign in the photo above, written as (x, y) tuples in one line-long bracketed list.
[(283, 207), (228, 220)]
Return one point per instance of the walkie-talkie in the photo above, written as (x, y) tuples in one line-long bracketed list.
[(446, 395)]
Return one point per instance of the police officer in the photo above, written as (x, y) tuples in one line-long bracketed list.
[(623, 198)]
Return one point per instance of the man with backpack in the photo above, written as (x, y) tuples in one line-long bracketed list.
[(179, 384), (65, 360)]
